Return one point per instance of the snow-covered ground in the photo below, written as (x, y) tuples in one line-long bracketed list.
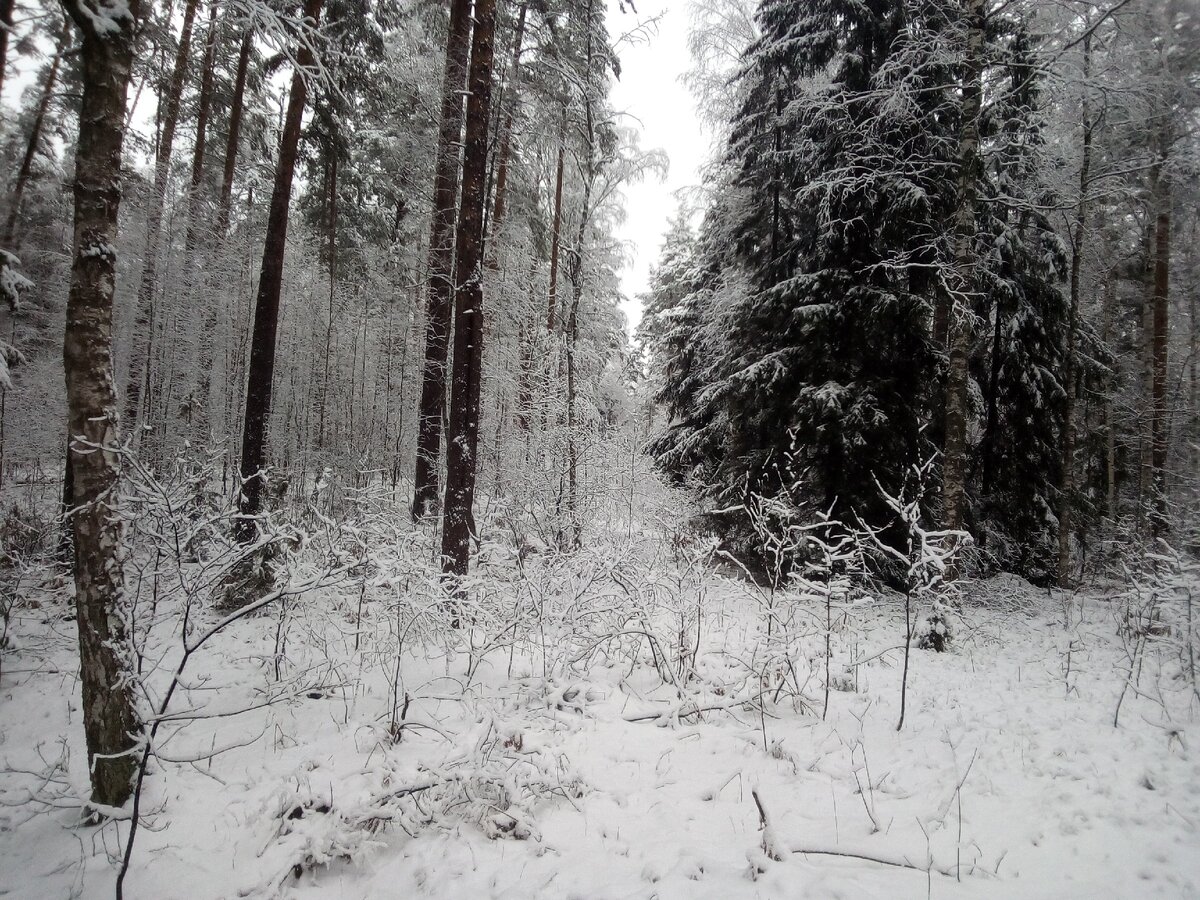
[(574, 741)]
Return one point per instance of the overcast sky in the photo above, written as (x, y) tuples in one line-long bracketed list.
[(650, 93)]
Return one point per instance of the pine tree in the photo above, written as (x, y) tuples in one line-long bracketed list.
[(462, 435), (266, 306), (441, 264)]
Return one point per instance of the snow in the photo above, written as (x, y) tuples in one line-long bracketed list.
[(563, 764)]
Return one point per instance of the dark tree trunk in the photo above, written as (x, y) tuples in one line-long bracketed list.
[(35, 138), (235, 130), (110, 720), (6, 24), (441, 264), (462, 439), (988, 450), (266, 306), (500, 205), (331, 226), (203, 388), (141, 345), (556, 232), (203, 110), (1078, 235), (1161, 195)]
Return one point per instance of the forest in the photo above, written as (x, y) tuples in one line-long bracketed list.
[(369, 527)]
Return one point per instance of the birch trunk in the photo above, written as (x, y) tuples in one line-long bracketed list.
[(110, 720)]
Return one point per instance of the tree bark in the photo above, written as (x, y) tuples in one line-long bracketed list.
[(331, 227), (235, 129), (991, 422), (203, 110), (110, 720), (575, 274), (6, 24), (1109, 304), (203, 389), (1161, 196), (142, 343), (556, 232), (270, 285), (441, 264), (462, 439), (1066, 498), (954, 469), (500, 204), (35, 138)]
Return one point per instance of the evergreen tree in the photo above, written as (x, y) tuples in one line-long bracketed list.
[(1020, 364), (836, 197)]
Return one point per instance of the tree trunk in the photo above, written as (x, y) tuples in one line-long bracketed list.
[(1193, 393), (6, 24), (1161, 196), (270, 284), (203, 110), (462, 439), (441, 263), (141, 345), (500, 207), (35, 138), (110, 720), (1110, 435), (1066, 498), (331, 227), (954, 469), (556, 232), (988, 450), (203, 391), (575, 273), (235, 129)]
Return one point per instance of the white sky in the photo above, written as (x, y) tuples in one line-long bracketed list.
[(651, 94)]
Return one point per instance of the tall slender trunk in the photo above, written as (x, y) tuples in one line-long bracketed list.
[(331, 224), (203, 388), (575, 274), (142, 344), (1145, 418), (203, 111), (1193, 389), (462, 438), (6, 24), (1066, 500), (1161, 197), (235, 129), (110, 720), (556, 231), (526, 341), (500, 205), (270, 284), (1108, 312), (954, 469), (441, 264), (35, 138), (991, 422)]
